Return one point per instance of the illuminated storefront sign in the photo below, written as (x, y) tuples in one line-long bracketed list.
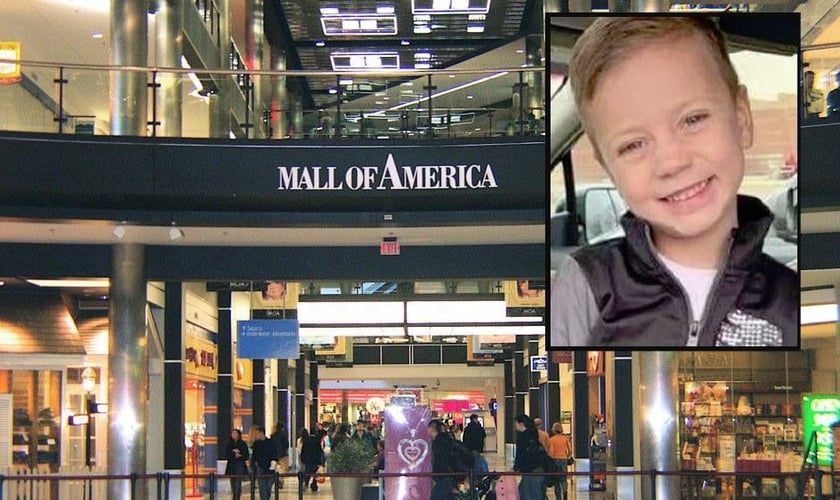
[(819, 412), (201, 358), (9, 71), (388, 177)]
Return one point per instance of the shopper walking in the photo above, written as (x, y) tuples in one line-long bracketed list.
[(543, 436), (474, 435), (560, 450), (265, 452), (530, 457), (341, 435), (280, 438), (442, 452), (311, 456), (236, 453)]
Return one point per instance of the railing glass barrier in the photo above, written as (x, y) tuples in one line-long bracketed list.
[(81, 100)]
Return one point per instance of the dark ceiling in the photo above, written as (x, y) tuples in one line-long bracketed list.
[(393, 29)]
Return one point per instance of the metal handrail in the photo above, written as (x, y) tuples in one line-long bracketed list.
[(293, 72)]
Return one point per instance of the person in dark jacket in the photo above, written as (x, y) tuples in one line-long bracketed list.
[(280, 438), (265, 452), (529, 458), (474, 435), (441, 461), (311, 456), (236, 453), (690, 270), (342, 434)]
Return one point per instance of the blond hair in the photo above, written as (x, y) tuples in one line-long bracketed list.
[(611, 39)]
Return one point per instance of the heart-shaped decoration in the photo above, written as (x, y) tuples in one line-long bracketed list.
[(412, 451)]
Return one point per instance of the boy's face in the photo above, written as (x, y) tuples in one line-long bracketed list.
[(671, 136)]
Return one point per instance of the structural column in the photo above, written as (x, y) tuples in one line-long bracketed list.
[(651, 5), (129, 47), (128, 369), (258, 391), (225, 364), (313, 386), (580, 413), (168, 51), (533, 58), (521, 378), (535, 408), (279, 96), (283, 393), (173, 378), (658, 420), (552, 412), (254, 42), (300, 395), (623, 396)]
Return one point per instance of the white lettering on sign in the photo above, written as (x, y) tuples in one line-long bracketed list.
[(389, 177)]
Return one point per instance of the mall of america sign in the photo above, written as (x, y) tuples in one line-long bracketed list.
[(390, 177)]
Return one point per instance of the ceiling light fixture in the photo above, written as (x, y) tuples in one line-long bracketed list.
[(320, 43), (405, 42), (72, 283), (97, 35), (329, 11), (385, 9), (175, 232), (442, 93)]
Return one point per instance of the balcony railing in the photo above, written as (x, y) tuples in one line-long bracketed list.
[(76, 99), (815, 484)]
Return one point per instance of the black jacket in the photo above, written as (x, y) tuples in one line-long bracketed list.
[(264, 453), (638, 302), (530, 454), (442, 454), (311, 451), (236, 466), (474, 435), (281, 443)]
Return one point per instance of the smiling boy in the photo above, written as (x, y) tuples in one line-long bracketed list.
[(661, 103)]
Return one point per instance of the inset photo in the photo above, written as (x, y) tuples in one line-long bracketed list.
[(673, 180)]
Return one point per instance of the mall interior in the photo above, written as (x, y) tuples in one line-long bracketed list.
[(373, 173)]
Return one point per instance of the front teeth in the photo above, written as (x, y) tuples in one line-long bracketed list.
[(688, 193)]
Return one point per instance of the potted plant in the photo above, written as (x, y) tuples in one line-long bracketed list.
[(353, 456)]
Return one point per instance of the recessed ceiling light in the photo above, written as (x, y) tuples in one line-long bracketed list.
[(451, 76), (333, 90), (2, 283), (385, 9), (477, 129), (72, 283), (422, 30), (405, 42), (97, 35), (320, 43), (346, 81), (520, 51), (422, 66), (380, 103), (329, 11), (475, 28), (469, 96), (385, 98)]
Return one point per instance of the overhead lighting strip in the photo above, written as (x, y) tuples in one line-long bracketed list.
[(359, 24)]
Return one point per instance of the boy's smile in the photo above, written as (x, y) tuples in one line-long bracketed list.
[(672, 137)]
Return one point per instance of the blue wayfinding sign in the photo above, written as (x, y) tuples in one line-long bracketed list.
[(268, 339), (539, 363)]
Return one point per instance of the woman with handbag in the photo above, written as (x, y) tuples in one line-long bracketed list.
[(560, 450), (237, 456)]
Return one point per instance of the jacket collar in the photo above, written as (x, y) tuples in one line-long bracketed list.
[(754, 220)]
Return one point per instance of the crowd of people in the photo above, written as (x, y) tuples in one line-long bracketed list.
[(457, 454)]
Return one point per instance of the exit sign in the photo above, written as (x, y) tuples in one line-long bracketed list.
[(389, 246)]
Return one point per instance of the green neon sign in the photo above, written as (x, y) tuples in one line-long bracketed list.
[(819, 411)]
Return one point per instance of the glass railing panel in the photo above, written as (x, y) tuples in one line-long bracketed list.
[(235, 104), (86, 101), (29, 102)]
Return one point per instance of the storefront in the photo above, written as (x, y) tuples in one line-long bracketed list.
[(200, 406), (742, 412)]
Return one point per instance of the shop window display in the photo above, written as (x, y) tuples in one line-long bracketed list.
[(727, 432), (36, 430)]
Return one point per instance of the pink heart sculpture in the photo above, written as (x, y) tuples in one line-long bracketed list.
[(412, 451)]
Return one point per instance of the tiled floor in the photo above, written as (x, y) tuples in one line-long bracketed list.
[(495, 461)]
